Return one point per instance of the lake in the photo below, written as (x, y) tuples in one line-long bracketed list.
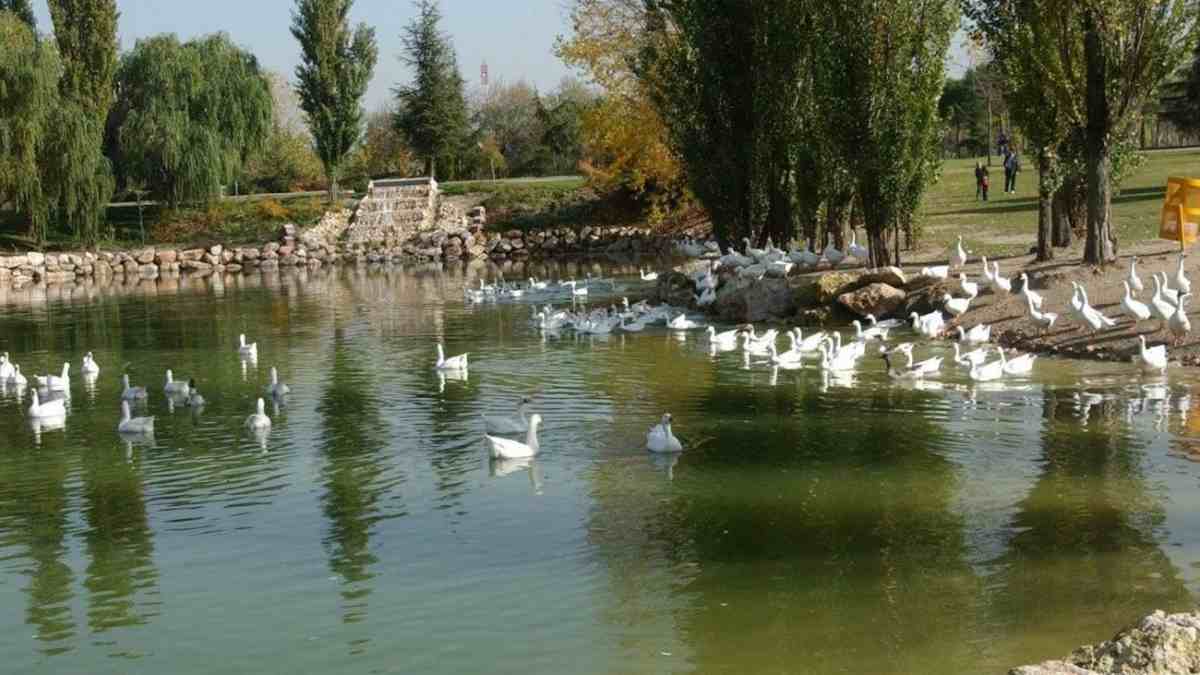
[(813, 524)]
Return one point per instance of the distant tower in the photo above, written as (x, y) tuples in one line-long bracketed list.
[(483, 74)]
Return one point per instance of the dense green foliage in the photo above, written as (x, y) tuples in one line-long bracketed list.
[(431, 110), (335, 69), (189, 115), (22, 9), (29, 72)]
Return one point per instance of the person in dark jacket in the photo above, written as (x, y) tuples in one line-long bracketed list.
[(981, 181), (1012, 166)]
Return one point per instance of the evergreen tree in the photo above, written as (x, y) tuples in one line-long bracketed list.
[(22, 8), (76, 173), (335, 68), (431, 111)]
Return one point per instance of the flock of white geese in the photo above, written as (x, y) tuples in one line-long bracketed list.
[(829, 350), (50, 394)]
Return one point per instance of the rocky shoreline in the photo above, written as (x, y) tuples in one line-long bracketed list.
[(1159, 644), (323, 245)]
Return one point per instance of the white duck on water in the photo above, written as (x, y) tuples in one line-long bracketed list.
[(516, 424), (276, 388), (174, 388), (89, 366), (453, 363), (129, 393), (1151, 358), (505, 448), (259, 420), (660, 439), (134, 425), (49, 409), (247, 350), (56, 382)]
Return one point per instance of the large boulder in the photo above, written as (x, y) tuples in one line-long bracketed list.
[(833, 284), (878, 299), (892, 276), (1159, 644), (744, 300), (675, 288)]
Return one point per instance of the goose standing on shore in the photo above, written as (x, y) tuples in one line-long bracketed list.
[(1135, 282), (1179, 324), (504, 448), (1028, 293), (1044, 319), (1181, 281), (958, 254), (1163, 309), (970, 288), (660, 439), (832, 255), (1000, 283), (134, 425), (857, 252), (1134, 308), (259, 420), (955, 306)]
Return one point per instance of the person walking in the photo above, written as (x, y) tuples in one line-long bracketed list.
[(1012, 166), (979, 173)]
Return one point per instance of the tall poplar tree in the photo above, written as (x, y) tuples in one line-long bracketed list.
[(431, 111), (336, 64)]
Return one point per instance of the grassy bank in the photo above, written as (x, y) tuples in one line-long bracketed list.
[(1007, 224)]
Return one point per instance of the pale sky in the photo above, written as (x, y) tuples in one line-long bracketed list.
[(515, 37)]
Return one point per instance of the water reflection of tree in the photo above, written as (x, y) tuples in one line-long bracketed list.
[(810, 529), (34, 516), (1084, 559), (354, 434), (118, 542)]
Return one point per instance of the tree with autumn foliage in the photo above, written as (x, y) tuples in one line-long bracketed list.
[(624, 140)]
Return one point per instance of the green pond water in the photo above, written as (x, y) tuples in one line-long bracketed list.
[(813, 525)]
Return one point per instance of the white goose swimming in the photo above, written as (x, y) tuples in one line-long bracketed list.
[(276, 388), (129, 393), (839, 360), (810, 344), (1136, 309), (930, 366), (681, 322), (6, 367), (979, 334), (1152, 358), (173, 388), (39, 410), (517, 424), (17, 379), (504, 448), (1019, 365), (970, 359), (453, 363), (259, 420), (988, 372), (89, 366), (908, 373), (725, 340), (194, 399), (872, 333), (651, 276), (56, 382), (930, 325), (134, 425), (660, 439), (247, 350)]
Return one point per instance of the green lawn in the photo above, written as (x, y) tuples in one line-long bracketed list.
[(1007, 224)]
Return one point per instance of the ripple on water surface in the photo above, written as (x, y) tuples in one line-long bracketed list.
[(941, 527)]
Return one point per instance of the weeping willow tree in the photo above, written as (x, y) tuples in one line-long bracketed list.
[(22, 8), (189, 115), (29, 72)]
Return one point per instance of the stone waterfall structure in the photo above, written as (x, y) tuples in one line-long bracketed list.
[(393, 210)]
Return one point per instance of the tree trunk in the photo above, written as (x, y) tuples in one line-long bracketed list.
[(1098, 248), (877, 238), (333, 186), (1045, 204), (991, 138)]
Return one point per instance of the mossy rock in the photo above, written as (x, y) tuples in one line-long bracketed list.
[(832, 284)]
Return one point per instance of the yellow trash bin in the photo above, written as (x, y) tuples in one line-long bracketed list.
[(1181, 211)]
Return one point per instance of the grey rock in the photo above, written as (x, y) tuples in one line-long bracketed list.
[(878, 299), (744, 300), (1159, 644)]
